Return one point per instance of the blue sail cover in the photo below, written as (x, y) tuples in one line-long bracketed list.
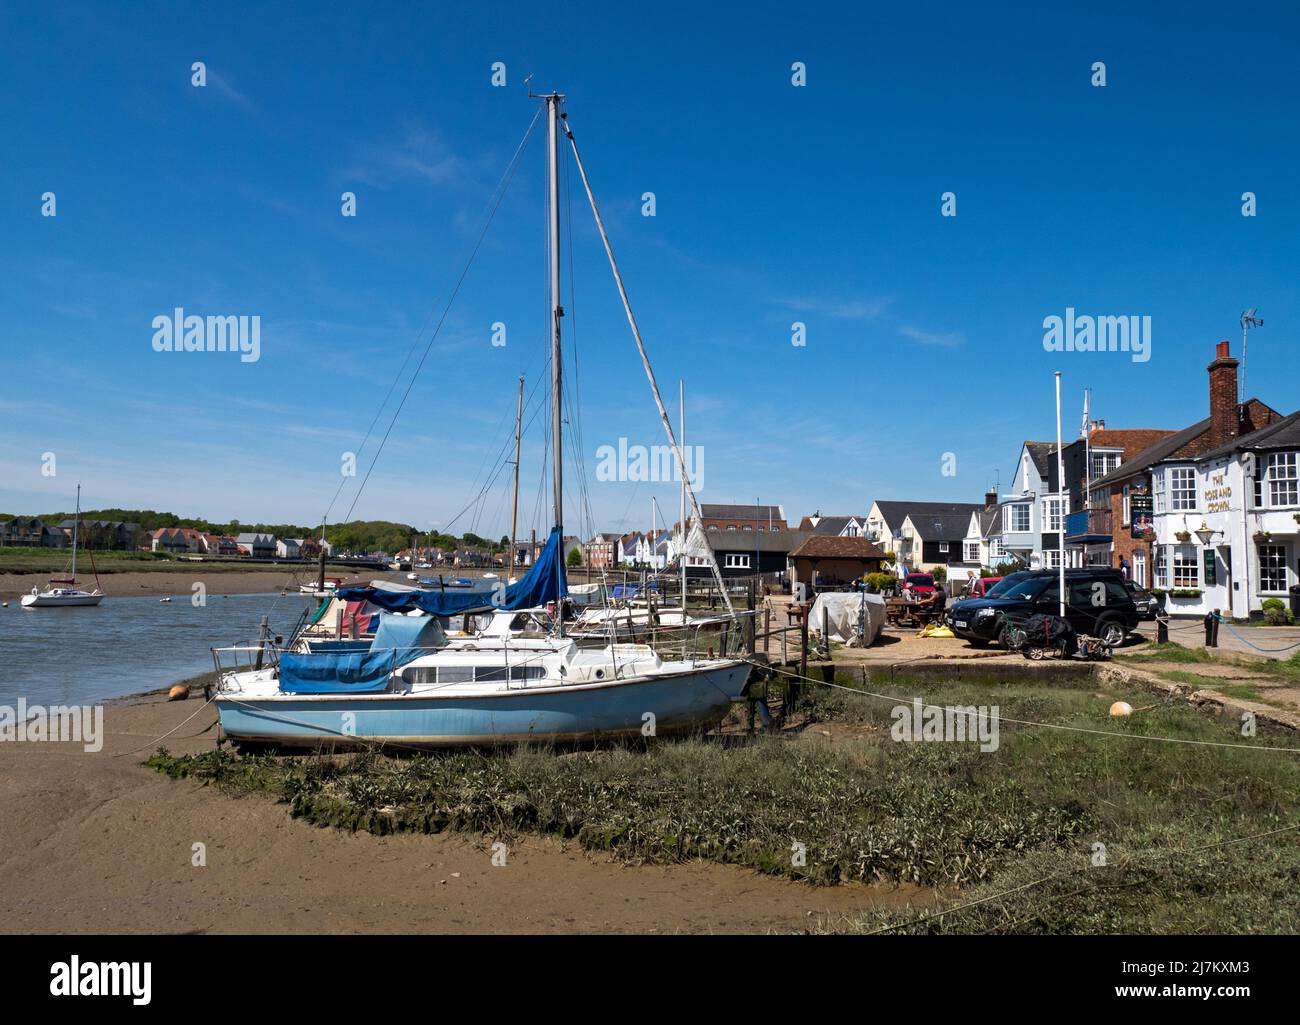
[(357, 672), (544, 582)]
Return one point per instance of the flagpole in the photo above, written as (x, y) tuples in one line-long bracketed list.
[(1060, 483)]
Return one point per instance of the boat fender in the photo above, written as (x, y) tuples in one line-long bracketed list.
[(178, 693)]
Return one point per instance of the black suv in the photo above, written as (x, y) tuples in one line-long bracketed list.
[(1098, 604)]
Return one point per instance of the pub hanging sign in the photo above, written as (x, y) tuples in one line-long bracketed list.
[(1140, 514)]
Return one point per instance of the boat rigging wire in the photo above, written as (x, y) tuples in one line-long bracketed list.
[(645, 361), (502, 187)]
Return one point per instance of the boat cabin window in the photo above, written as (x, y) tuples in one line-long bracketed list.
[(471, 674)]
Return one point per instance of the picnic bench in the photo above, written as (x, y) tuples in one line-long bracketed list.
[(908, 611)]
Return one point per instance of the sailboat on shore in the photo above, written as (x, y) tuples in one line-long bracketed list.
[(413, 686), (64, 592)]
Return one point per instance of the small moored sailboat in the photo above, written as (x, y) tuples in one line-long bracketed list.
[(64, 592)]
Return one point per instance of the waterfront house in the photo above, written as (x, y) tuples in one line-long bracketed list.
[(982, 545), (256, 546), (835, 526), (741, 518), (921, 535), (1166, 476), (177, 540), (1033, 512), (105, 535), (739, 553), (219, 544), (288, 548), (626, 551), (600, 551), (30, 532), (655, 550)]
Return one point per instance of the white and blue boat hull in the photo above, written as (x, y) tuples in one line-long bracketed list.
[(692, 700)]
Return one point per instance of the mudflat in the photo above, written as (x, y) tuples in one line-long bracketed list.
[(96, 842)]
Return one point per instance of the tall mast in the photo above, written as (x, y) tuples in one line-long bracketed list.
[(557, 311), (76, 522), (681, 548), (514, 512)]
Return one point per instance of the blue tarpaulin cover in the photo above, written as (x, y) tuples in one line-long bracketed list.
[(336, 672), (544, 582), (407, 637)]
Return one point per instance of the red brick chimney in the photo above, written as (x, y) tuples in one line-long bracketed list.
[(1225, 420), (990, 499)]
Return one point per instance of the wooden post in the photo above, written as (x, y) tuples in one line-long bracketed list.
[(262, 637), (793, 692), (767, 625), (749, 620)]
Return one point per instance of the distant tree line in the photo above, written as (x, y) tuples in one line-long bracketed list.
[(355, 536)]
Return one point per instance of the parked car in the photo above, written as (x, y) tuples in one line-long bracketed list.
[(1002, 584), (979, 587), (1098, 604), (922, 584), (1147, 603)]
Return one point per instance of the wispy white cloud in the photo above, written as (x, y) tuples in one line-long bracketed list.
[(224, 88), (939, 339), (840, 309), (420, 154)]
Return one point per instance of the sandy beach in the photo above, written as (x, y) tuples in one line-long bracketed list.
[(98, 843)]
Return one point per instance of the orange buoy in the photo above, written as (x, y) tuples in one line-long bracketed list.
[(1121, 708), (178, 693)]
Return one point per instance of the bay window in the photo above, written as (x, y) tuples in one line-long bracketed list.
[(1017, 518)]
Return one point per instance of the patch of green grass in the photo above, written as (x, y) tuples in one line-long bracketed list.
[(938, 814), (1244, 691), (1169, 652), (41, 560)]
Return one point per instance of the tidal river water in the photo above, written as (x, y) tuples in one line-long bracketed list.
[(126, 645)]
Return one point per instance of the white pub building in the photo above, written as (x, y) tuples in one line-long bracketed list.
[(1227, 520)]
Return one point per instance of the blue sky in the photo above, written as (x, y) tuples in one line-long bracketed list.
[(775, 204)]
